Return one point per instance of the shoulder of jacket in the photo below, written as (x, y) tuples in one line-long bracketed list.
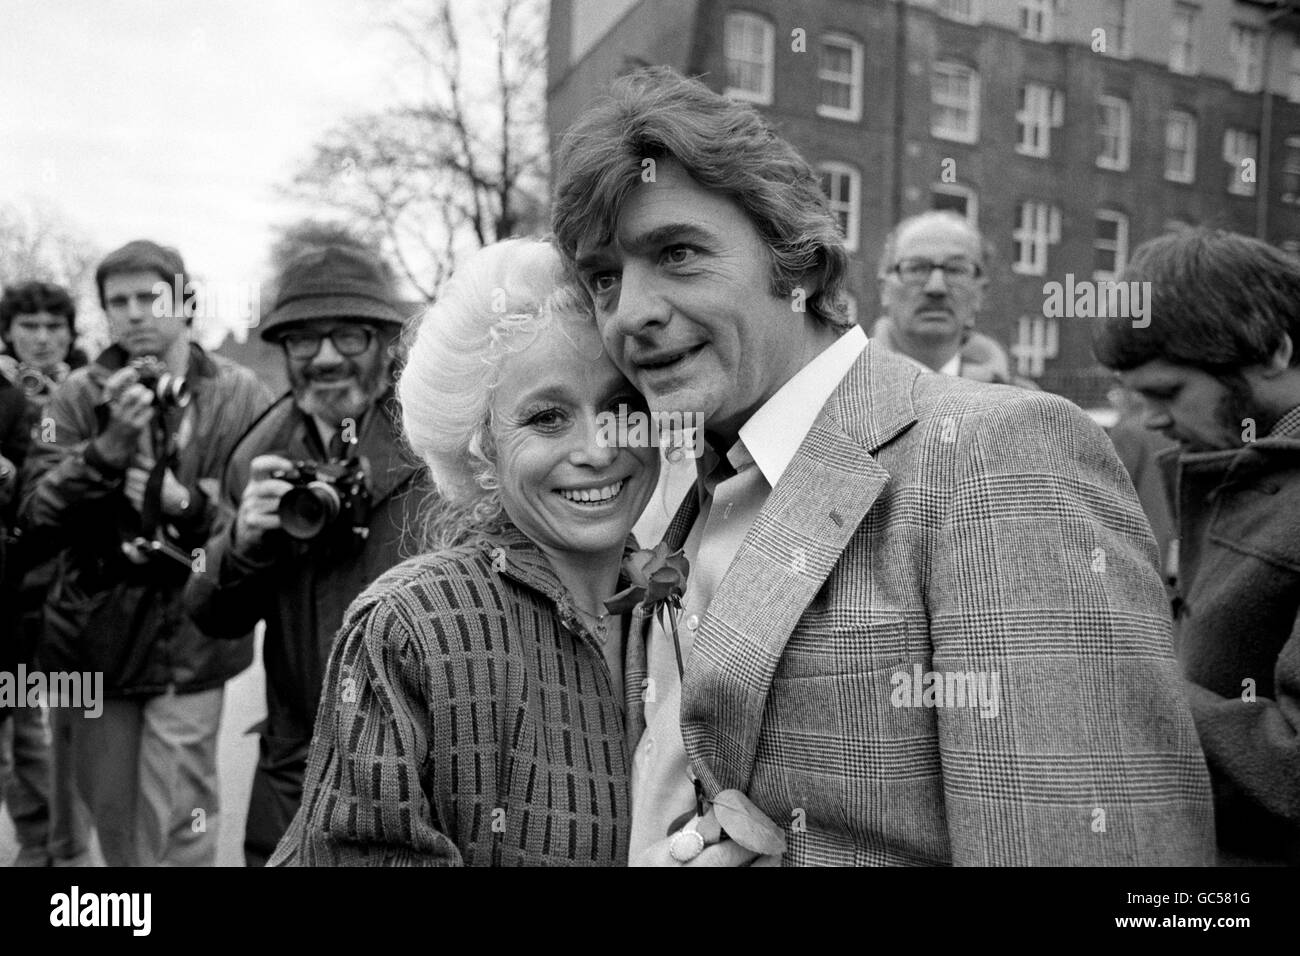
[(417, 588), (229, 370)]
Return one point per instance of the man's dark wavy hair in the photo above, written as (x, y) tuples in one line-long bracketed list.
[(33, 298), (725, 146), (1220, 301)]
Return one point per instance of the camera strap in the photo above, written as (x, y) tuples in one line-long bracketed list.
[(151, 515)]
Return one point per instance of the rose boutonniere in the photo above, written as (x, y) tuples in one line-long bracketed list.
[(657, 581)]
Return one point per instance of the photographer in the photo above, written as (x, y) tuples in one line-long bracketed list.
[(37, 327), (282, 558), (123, 481)]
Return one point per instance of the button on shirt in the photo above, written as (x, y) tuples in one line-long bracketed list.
[(732, 492)]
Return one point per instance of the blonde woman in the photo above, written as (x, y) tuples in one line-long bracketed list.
[(474, 708)]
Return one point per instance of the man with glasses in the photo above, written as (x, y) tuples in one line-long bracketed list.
[(932, 279), (121, 483), (336, 319)]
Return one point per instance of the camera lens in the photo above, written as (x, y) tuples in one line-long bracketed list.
[(307, 510)]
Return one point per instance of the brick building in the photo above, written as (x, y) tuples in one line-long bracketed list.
[(1069, 130)]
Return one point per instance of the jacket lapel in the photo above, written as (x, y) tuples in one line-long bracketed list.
[(795, 542)]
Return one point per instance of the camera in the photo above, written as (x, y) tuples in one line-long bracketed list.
[(169, 391), (34, 382), (333, 495)]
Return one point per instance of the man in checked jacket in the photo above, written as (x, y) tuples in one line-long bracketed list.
[(923, 622)]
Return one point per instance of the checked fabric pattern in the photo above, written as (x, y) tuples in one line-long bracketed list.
[(965, 528), (467, 718)]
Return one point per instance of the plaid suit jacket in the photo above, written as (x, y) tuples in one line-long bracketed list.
[(965, 529)]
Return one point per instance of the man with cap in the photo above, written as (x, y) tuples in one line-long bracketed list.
[(121, 483), (278, 559)]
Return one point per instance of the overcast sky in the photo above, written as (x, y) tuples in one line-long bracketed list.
[(176, 119)]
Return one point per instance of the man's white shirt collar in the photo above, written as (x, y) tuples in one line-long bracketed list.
[(774, 433), (952, 366)]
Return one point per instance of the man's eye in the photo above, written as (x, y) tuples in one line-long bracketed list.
[(678, 255)]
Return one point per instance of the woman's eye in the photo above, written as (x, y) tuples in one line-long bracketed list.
[(603, 282), (550, 418)]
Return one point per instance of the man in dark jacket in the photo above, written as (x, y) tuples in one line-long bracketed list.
[(336, 319), (37, 326), (1219, 371), (125, 481)]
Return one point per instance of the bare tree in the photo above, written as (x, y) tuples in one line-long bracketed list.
[(460, 163), (37, 241)]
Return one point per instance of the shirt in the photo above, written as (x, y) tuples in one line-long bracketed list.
[(952, 366), (729, 503)]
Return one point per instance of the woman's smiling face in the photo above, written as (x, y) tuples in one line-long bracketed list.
[(563, 486)]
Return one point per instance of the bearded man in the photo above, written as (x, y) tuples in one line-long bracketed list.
[(297, 561)]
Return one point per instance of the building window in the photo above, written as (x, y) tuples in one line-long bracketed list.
[(959, 199), (1239, 149), (749, 47), (1293, 75), (1247, 46), (1039, 226), (1180, 147), (1182, 38), (839, 76), (1291, 171), (955, 102), (966, 11), (1112, 133), (843, 188), (1041, 109), (1036, 20), (1114, 21), (1110, 247)]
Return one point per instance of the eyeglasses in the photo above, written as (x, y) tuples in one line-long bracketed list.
[(348, 340), (917, 271)]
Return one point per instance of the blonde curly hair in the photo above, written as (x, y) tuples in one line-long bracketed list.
[(495, 304)]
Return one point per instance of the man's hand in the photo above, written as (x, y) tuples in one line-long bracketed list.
[(260, 501), (726, 853), (174, 498), (130, 407), (716, 852)]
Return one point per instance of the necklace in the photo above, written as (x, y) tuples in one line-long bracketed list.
[(601, 622)]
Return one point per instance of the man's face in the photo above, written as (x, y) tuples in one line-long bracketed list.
[(139, 321), (936, 309), (330, 384), (1191, 406), (40, 339), (684, 306)]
